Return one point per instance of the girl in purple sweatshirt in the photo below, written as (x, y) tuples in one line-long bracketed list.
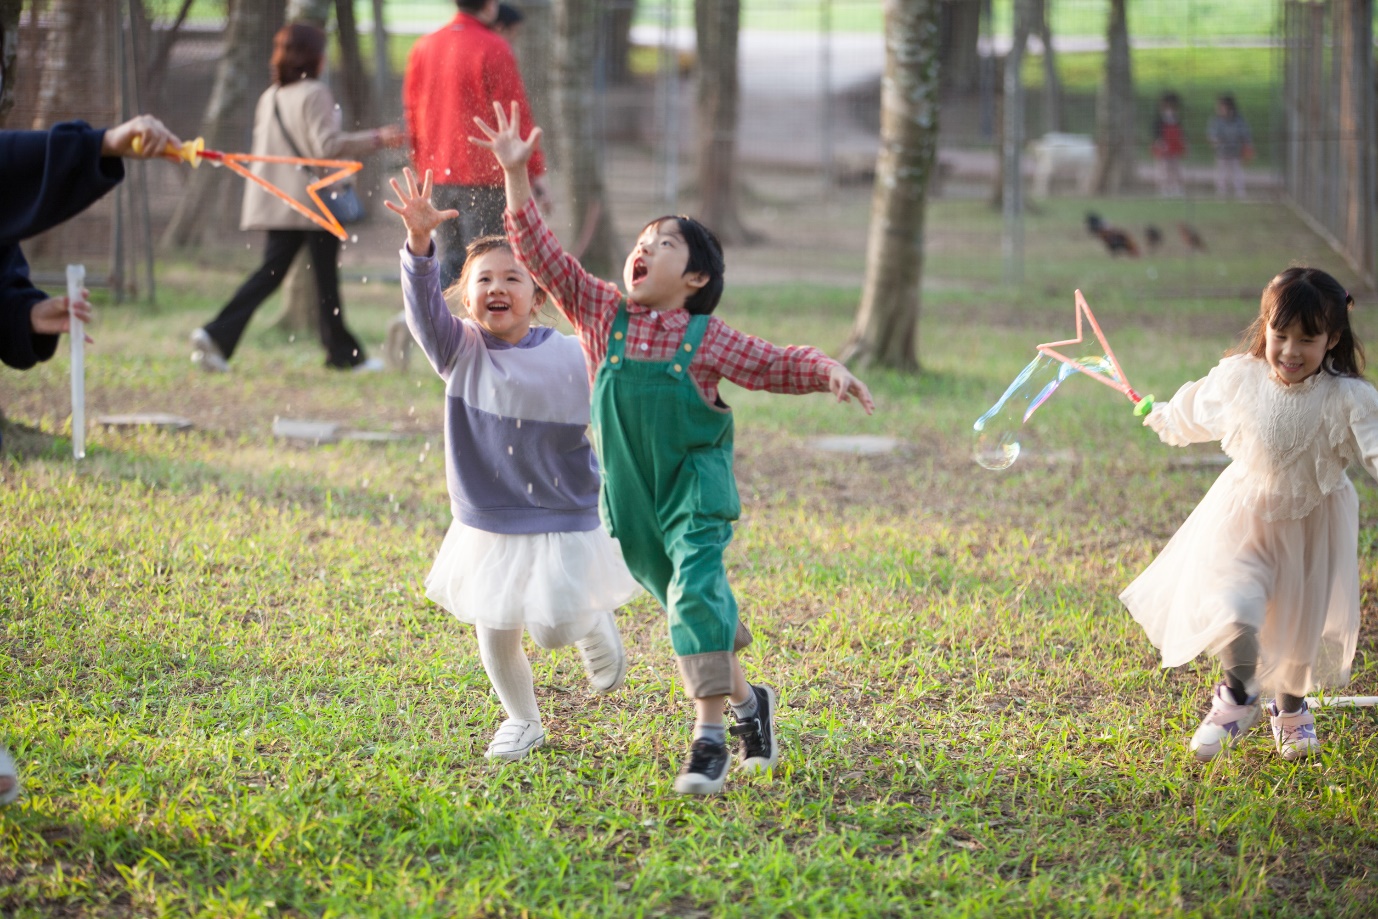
[(526, 549)]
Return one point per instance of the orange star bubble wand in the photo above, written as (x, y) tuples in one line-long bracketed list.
[(194, 151)]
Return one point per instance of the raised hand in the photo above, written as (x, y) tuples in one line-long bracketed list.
[(505, 139), (417, 211)]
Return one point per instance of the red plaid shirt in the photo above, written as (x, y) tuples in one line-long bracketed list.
[(590, 304)]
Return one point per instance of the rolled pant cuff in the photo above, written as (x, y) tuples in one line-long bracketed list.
[(710, 673)]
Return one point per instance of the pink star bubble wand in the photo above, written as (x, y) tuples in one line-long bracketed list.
[(194, 151), (997, 431)]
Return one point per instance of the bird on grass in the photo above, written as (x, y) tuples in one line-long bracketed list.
[(1117, 241), (1191, 237), (1153, 237)]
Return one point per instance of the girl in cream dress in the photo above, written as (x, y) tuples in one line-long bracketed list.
[(1264, 572)]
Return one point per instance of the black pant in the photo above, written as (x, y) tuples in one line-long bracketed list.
[(480, 214), (342, 350)]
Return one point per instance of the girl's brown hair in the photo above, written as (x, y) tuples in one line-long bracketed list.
[(298, 53), (1322, 306), (454, 295)]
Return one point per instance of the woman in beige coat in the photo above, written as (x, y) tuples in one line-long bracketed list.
[(298, 111)]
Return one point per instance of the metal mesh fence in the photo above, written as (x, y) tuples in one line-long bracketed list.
[(810, 77)]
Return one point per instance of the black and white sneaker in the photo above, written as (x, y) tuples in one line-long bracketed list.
[(705, 770), (759, 752)]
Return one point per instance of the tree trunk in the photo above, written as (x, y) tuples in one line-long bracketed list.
[(153, 51), (886, 332), (1052, 86), (1115, 110), (9, 52), (581, 147), (357, 110), (716, 24), (960, 27), (74, 81), (534, 48), (210, 199)]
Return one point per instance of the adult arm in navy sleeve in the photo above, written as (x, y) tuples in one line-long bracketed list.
[(51, 176)]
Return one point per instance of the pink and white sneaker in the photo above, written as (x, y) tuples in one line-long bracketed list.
[(1294, 733), (1225, 723)]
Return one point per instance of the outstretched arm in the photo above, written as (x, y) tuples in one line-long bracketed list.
[(511, 150)]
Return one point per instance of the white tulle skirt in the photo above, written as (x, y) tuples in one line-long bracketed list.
[(556, 582), (1294, 581)]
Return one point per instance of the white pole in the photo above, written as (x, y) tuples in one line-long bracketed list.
[(76, 278)]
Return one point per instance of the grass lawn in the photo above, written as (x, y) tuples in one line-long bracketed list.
[(229, 697)]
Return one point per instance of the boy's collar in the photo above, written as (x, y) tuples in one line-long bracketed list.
[(670, 319)]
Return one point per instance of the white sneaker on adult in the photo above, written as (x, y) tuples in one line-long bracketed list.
[(1294, 733), (1225, 723), (206, 354), (369, 365), (516, 737), (9, 777), (605, 658)]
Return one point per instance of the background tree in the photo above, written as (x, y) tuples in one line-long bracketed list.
[(1115, 109), (76, 55), (716, 26), (9, 52), (210, 200), (886, 332), (1052, 86), (580, 148), (153, 50)]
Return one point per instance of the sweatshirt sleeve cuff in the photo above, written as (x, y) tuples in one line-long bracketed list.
[(419, 264)]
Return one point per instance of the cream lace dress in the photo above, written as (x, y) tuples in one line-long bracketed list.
[(1274, 543)]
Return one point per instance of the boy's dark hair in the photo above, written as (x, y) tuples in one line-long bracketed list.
[(1321, 304), (298, 52), (508, 16), (705, 256), (1227, 100), (471, 6)]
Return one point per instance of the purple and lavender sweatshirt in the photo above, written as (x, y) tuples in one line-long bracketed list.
[(517, 454)]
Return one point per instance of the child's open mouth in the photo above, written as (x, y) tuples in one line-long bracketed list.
[(498, 307), (639, 270)]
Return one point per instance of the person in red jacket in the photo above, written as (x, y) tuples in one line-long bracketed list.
[(454, 75)]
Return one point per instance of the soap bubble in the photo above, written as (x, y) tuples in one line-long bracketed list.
[(997, 432)]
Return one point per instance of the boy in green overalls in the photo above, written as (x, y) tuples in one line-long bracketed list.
[(664, 439)]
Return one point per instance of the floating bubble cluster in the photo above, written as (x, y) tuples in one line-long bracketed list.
[(997, 431)]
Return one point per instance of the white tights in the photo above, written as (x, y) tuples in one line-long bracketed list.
[(509, 671)]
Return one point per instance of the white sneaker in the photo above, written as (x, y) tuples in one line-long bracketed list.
[(515, 738), (1225, 723), (605, 658), (370, 365), (9, 778), (1294, 733), (207, 354)]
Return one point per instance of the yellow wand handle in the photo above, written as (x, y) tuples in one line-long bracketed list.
[(189, 152)]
